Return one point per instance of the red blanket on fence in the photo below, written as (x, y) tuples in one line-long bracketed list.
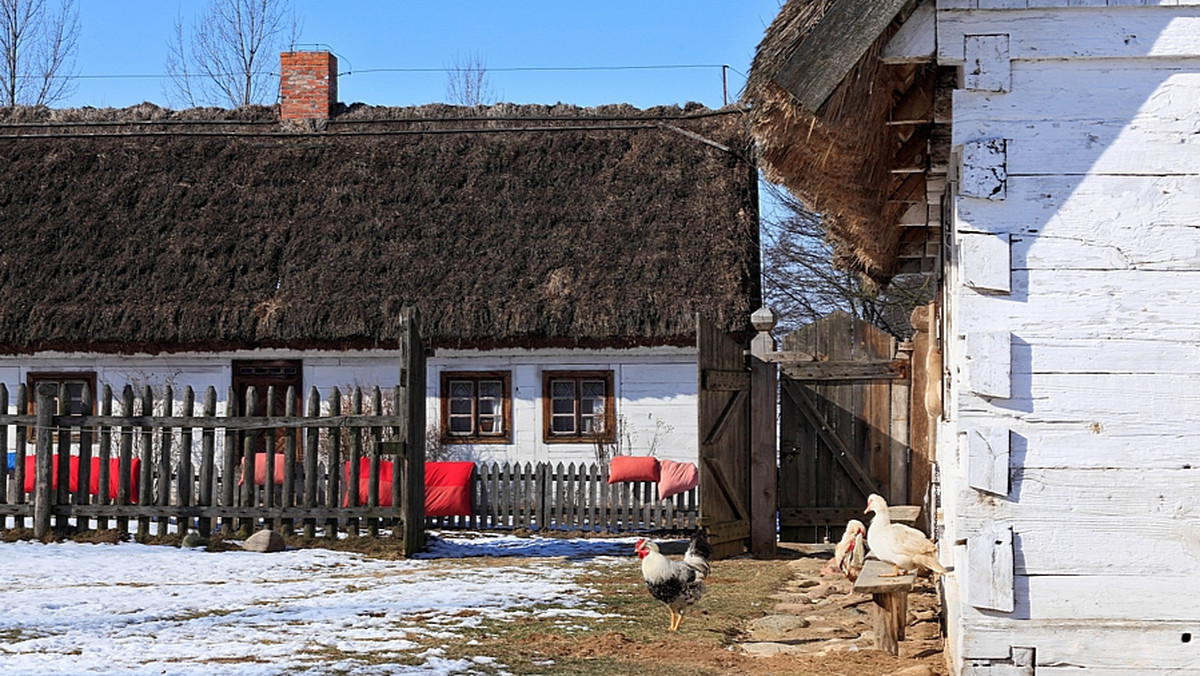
[(448, 486), (94, 478)]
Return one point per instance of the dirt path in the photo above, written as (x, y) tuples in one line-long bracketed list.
[(818, 624)]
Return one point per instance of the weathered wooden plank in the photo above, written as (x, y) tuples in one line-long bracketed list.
[(989, 572), (986, 262), (988, 358), (145, 480), (833, 47), (208, 460), (915, 42), (988, 459), (807, 407), (1047, 34), (985, 169), (986, 66), (847, 371)]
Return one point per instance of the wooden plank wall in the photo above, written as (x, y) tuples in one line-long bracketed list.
[(814, 487)]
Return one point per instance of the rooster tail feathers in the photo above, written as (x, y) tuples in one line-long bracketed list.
[(698, 553)]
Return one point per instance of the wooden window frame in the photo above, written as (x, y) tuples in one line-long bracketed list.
[(32, 378), (605, 436), (506, 433)]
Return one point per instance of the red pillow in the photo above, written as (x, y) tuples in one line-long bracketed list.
[(632, 468), (676, 477), (448, 487), (364, 476), (93, 480)]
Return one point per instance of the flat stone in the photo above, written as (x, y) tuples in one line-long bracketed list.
[(792, 607), (918, 670), (264, 541), (776, 627)]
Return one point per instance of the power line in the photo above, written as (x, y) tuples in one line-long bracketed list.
[(511, 69)]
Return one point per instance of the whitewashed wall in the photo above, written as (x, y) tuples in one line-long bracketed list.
[(1070, 453), (655, 388)]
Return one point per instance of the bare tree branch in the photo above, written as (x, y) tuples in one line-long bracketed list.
[(802, 282), (467, 81), (225, 58), (37, 43)]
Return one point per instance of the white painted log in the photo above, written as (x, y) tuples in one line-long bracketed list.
[(1144, 648), (987, 63), (1048, 34), (986, 261), (987, 459), (989, 573), (1143, 91), (988, 360), (984, 169)]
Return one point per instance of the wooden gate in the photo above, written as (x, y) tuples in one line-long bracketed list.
[(843, 428), (724, 427)]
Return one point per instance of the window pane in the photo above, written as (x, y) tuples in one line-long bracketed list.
[(593, 389), (491, 389), (460, 407), (562, 389), (461, 388), (562, 424), (460, 424), (564, 407)]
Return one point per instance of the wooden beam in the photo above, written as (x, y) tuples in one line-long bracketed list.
[(719, 426), (862, 480), (829, 371), (831, 49)]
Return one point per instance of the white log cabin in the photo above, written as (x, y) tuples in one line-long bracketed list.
[(1051, 152), (558, 256)]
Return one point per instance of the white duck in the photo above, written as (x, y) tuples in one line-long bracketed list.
[(904, 547), (850, 550)]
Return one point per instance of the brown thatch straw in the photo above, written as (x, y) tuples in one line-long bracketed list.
[(838, 161)]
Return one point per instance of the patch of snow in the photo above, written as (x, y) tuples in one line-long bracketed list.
[(72, 608)]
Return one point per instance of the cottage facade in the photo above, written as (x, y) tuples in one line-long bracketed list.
[(558, 256), (1059, 166)]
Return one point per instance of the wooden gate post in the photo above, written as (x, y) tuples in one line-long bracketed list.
[(412, 410), (763, 465), (43, 496)]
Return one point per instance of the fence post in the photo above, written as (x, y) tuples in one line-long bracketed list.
[(43, 496), (763, 464)]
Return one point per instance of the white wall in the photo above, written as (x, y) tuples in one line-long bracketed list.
[(655, 388), (1099, 327)]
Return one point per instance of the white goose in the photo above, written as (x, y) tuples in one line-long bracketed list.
[(904, 547)]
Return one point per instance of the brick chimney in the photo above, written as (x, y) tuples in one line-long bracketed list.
[(307, 85)]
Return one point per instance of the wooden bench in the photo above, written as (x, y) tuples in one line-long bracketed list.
[(890, 610)]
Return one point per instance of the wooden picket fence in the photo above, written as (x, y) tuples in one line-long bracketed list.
[(572, 497), (180, 466)]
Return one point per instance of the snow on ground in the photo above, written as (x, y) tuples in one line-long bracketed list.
[(72, 608)]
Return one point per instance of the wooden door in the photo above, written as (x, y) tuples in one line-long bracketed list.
[(724, 426), (263, 375)]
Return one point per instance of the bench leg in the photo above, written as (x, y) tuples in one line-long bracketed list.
[(890, 611)]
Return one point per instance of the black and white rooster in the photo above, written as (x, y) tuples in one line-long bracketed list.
[(678, 584)]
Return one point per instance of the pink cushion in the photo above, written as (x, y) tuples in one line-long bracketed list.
[(260, 469), (632, 468), (676, 477)]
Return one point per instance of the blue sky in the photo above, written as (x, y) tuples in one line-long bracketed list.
[(122, 48)]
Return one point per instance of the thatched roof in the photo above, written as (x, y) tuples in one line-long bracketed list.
[(145, 229), (824, 111)]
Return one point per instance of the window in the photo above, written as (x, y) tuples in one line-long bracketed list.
[(476, 407), (71, 386), (578, 406)]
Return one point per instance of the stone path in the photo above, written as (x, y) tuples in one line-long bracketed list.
[(816, 613)]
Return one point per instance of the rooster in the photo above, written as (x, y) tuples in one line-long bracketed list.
[(678, 584)]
